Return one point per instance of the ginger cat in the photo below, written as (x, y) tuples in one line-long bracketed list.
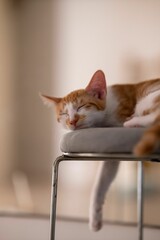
[(128, 105)]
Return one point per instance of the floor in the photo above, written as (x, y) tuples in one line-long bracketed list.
[(79, 231), (121, 200), (25, 195), (26, 228)]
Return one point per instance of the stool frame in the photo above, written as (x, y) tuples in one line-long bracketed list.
[(101, 157)]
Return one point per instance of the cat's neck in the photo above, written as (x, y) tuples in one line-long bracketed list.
[(111, 118)]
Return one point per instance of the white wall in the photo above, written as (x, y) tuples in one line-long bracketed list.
[(7, 89), (121, 37), (35, 67), (60, 45), (26, 66)]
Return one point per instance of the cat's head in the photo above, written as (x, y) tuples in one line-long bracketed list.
[(81, 108)]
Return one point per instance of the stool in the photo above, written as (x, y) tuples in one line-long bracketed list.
[(99, 144)]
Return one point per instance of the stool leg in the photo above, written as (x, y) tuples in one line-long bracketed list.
[(140, 199), (54, 198)]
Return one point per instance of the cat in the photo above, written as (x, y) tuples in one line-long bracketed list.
[(119, 105)]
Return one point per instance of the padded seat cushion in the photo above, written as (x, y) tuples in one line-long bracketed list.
[(101, 140)]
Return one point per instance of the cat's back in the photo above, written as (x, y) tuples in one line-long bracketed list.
[(135, 98), (148, 97), (144, 88)]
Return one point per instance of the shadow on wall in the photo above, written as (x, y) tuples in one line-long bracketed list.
[(137, 69)]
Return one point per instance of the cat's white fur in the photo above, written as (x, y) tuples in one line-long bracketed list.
[(105, 176), (145, 103)]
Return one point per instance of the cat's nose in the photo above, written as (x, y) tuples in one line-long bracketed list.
[(73, 122)]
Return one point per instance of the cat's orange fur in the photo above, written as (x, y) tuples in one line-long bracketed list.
[(129, 105), (150, 140)]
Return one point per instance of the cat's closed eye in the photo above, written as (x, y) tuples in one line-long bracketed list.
[(63, 114), (80, 107), (86, 106)]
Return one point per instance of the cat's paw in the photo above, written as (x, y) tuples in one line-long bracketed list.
[(95, 223), (133, 122)]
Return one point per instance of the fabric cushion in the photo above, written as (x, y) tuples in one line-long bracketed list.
[(101, 140)]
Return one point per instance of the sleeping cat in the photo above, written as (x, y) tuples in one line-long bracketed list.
[(128, 105)]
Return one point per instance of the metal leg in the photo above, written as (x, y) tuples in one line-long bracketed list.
[(140, 199), (55, 187), (54, 197)]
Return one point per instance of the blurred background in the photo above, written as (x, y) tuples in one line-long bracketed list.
[(54, 47)]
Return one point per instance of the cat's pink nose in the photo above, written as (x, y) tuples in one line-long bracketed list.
[(73, 122)]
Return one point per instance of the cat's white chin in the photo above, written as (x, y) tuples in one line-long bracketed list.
[(72, 128), (81, 127)]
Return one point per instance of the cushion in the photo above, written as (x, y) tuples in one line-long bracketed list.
[(101, 140)]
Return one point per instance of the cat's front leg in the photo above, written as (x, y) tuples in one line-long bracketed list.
[(141, 121), (105, 176), (95, 218)]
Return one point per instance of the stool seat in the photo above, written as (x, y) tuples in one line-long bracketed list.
[(102, 140)]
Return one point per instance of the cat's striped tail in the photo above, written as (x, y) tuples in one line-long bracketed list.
[(150, 140)]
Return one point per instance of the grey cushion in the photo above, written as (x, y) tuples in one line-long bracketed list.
[(101, 140)]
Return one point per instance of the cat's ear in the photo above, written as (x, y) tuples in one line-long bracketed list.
[(47, 100), (97, 85)]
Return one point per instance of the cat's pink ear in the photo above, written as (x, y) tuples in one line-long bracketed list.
[(97, 85), (49, 100)]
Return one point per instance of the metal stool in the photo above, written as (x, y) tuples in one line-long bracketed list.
[(101, 144)]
